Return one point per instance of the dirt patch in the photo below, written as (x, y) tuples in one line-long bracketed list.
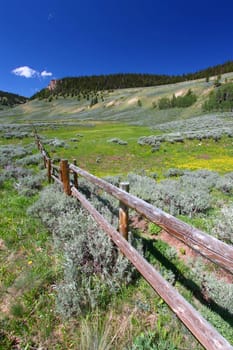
[(133, 101), (180, 93), (203, 156), (184, 252), (2, 245), (110, 104), (78, 110), (139, 223)]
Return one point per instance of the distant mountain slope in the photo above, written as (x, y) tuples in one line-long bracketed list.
[(85, 86), (9, 100)]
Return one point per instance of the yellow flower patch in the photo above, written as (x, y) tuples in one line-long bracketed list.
[(221, 164)]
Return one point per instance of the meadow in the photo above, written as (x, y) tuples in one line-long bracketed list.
[(47, 300)]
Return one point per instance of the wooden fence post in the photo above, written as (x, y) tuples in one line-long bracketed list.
[(49, 173), (37, 141), (44, 158), (124, 213), (75, 175), (65, 176)]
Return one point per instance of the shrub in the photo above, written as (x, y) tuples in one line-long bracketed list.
[(30, 185), (164, 103), (185, 101), (118, 141), (225, 183), (10, 152), (156, 147), (51, 205), (188, 195), (174, 172), (56, 143), (74, 139), (93, 268), (15, 172), (213, 287), (33, 159), (142, 186), (181, 101), (16, 135), (224, 224)]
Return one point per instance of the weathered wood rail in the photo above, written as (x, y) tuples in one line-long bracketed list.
[(208, 246)]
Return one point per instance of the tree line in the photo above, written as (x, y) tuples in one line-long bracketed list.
[(9, 100), (84, 86)]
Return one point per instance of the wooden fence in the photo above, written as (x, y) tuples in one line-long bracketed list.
[(218, 252)]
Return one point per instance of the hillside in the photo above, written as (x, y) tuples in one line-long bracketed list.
[(8, 99), (84, 86), (138, 106)]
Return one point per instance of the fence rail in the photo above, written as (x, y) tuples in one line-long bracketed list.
[(208, 246)]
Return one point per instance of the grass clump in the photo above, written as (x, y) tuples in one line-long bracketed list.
[(151, 340)]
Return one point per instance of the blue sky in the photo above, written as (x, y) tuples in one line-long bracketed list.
[(46, 39)]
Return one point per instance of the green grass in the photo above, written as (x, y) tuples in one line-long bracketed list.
[(102, 158), (28, 270)]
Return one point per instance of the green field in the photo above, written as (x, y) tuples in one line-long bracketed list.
[(94, 153)]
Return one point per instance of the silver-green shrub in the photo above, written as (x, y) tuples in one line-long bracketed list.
[(189, 194), (174, 172), (118, 141), (57, 143), (142, 187), (93, 267), (16, 135), (225, 183), (10, 152), (15, 172), (51, 205), (213, 287), (33, 159), (224, 224), (30, 185), (91, 260)]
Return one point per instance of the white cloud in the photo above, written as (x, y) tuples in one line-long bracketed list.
[(25, 72), (45, 74), (28, 72)]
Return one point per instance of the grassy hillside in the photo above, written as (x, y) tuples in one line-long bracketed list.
[(8, 99), (88, 86), (137, 106), (134, 106)]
